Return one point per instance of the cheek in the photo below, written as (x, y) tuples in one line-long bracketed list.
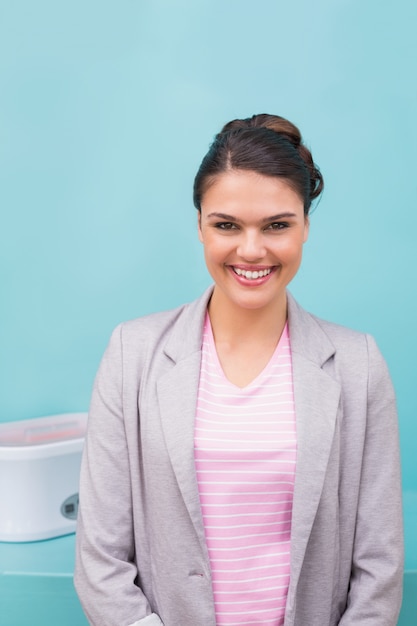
[(213, 251), (216, 248), (291, 248), (300, 238)]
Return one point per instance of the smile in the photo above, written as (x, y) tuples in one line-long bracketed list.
[(251, 275)]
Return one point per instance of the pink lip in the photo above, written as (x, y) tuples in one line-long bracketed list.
[(252, 282)]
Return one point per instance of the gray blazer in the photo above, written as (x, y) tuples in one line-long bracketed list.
[(141, 554)]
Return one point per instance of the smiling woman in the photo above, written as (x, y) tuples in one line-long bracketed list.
[(241, 464)]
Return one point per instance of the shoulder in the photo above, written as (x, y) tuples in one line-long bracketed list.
[(153, 324), (357, 363), (145, 335), (182, 324), (356, 350), (339, 335), (321, 339), (348, 339)]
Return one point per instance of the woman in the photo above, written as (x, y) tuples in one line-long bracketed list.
[(241, 464)]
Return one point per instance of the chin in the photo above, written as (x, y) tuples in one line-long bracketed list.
[(255, 303)]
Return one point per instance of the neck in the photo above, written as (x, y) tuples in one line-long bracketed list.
[(233, 324)]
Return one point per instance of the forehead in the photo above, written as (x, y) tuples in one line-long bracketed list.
[(242, 192)]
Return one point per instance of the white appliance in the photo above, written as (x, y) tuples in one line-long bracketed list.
[(39, 472)]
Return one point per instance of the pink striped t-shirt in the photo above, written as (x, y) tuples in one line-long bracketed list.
[(245, 455)]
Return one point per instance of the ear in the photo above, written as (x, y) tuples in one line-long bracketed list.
[(306, 228), (200, 232)]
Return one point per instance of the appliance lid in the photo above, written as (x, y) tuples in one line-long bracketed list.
[(43, 430)]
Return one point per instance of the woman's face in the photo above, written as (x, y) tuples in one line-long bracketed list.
[(253, 229)]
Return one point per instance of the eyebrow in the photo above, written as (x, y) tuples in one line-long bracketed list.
[(270, 218)]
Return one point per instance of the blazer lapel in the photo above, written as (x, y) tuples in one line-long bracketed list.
[(177, 396), (317, 398)]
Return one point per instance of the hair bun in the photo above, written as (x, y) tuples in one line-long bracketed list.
[(267, 144), (272, 122), (288, 131)]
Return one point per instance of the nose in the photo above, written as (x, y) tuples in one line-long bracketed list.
[(251, 246)]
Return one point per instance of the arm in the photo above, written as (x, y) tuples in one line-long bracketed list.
[(105, 570), (377, 570)]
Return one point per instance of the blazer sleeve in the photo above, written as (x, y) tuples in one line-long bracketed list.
[(377, 570), (105, 572)]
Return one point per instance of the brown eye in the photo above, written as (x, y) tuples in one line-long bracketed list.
[(225, 226), (277, 226)]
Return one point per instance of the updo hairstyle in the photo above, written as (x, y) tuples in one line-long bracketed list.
[(267, 144)]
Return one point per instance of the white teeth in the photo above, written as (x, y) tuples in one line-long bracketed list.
[(251, 275)]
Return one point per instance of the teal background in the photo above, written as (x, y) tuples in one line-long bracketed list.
[(106, 109)]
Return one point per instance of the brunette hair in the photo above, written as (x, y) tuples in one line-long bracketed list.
[(267, 144)]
